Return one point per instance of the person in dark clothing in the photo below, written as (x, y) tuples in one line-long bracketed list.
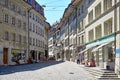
[(78, 59)]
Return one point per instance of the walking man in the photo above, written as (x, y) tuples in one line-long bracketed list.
[(78, 59)]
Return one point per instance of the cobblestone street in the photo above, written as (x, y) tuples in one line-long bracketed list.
[(51, 70)]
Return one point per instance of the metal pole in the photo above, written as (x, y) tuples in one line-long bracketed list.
[(68, 42), (28, 34), (76, 31)]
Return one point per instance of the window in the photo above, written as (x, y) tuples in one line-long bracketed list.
[(19, 23), (6, 3), (78, 11), (13, 6), (6, 18), (33, 41), (33, 27), (13, 20), (66, 32), (98, 32), (19, 10), (79, 40), (20, 38), (40, 30), (91, 35), (66, 42), (43, 44), (6, 36), (81, 27), (108, 27), (24, 39), (82, 9), (36, 42), (30, 27), (36, 29), (24, 26), (13, 36), (43, 33), (39, 43), (90, 16), (98, 10), (36, 18), (107, 4), (30, 14), (33, 17), (90, 1), (24, 13), (30, 41), (82, 39)]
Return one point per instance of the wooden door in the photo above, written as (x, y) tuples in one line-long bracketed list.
[(5, 55)]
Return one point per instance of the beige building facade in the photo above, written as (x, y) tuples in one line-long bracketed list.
[(102, 23), (97, 32), (14, 32)]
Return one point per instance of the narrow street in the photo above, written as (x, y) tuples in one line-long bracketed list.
[(51, 70)]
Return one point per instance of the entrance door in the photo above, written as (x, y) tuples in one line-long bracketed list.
[(5, 55)]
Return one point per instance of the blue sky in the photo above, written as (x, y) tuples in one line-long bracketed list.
[(54, 9)]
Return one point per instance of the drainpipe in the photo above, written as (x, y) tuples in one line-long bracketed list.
[(76, 29), (28, 11), (68, 42)]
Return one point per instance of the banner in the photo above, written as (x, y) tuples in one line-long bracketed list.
[(1, 52)]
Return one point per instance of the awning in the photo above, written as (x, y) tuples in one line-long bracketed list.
[(99, 42), (83, 51), (95, 49)]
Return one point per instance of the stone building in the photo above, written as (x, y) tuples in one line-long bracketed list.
[(16, 33), (97, 23)]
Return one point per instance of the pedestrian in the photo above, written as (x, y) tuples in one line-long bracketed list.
[(86, 62), (92, 63), (78, 59)]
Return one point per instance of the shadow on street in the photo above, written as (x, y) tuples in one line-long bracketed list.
[(26, 67)]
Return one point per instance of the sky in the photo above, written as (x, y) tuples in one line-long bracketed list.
[(54, 9)]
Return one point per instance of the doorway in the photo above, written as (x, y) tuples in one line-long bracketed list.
[(5, 55)]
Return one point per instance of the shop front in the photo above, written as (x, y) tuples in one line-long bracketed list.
[(18, 56), (81, 49), (101, 51)]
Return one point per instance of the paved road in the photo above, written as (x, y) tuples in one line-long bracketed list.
[(52, 70)]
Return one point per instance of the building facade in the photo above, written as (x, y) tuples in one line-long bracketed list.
[(54, 41), (15, 33), (97, 34)]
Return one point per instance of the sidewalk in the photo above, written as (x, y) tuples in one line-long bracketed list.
[(25, 63)]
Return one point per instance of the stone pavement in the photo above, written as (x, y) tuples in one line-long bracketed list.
[(51, 70)]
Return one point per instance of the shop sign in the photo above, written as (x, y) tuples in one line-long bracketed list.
[(1, 52), (117, 51), (15, 51)]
